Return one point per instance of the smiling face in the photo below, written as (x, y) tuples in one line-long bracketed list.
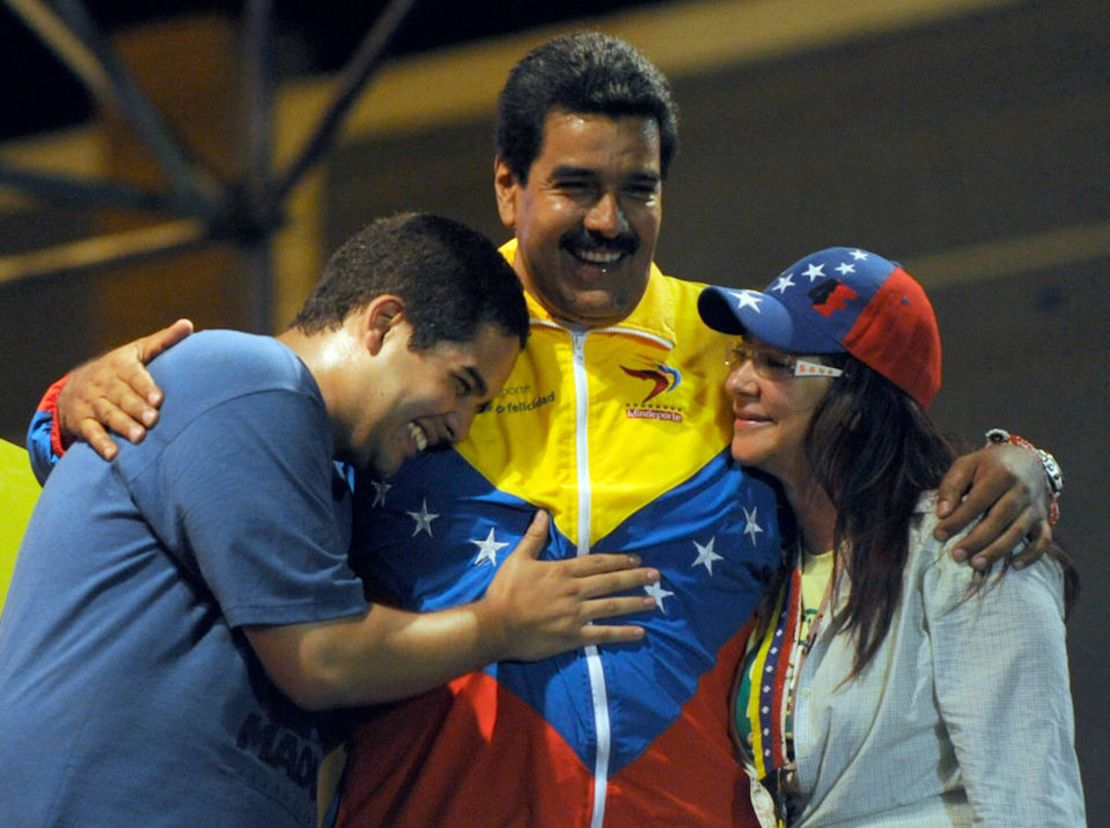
[(587, 219), (414, 400), (772, 410)]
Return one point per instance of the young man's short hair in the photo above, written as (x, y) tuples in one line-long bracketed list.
[(452, 279)]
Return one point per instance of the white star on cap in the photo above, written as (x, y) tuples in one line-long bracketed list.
[(844, 268), (783, 282), (814, 270), (423, 520), (859, 255), (487, 549), (657, 592), (747, 299), (706, 555), (751, 528), (380, 488)]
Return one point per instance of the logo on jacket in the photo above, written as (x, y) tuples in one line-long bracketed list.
[(662, 378)]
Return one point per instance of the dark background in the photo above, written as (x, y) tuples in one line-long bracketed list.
[(313, 36)]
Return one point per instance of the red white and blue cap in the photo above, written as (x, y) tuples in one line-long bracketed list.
[(840, 300)]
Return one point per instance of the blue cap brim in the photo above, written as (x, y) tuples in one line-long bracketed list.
[(738, 311)]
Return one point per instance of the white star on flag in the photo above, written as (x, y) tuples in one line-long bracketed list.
[(487, 549), (813, 271), (657, 592), (706, 555), (845, 268), (747, 299), (783, 282), (859, 255), (423, 520), (380, 488), (751, 528)]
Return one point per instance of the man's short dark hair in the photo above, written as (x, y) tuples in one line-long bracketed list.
[(452, 279), (585, 72)]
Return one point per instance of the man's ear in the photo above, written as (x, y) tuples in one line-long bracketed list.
[(505, 188), (380, 318)]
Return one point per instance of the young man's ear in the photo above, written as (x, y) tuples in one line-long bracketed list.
[(380, 318)]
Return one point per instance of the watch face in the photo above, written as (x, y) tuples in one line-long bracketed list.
[(1052, 469)]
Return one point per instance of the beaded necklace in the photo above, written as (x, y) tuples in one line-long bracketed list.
[(774, 670)]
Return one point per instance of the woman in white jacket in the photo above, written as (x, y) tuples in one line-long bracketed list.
[(885, 684)]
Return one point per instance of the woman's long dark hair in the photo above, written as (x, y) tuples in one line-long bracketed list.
[(874, 451)]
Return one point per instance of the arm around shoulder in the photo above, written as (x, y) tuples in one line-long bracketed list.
[(44, 442), (112, 393), (1011, 487)]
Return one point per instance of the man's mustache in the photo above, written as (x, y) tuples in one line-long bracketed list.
[(575, 241)]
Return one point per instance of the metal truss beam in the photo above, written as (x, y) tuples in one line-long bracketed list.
[(106, 251), (353, 81), (245, 212), (83, 192)]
